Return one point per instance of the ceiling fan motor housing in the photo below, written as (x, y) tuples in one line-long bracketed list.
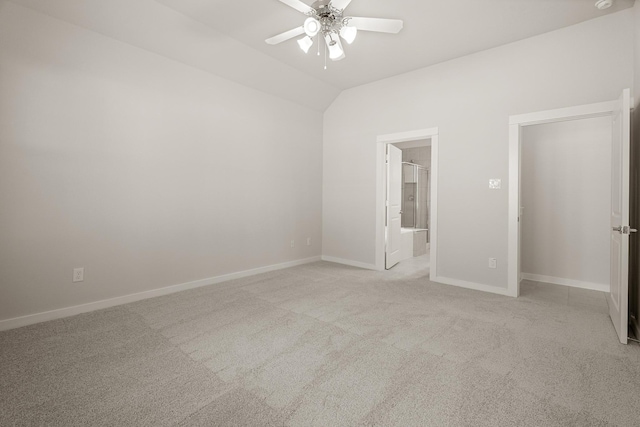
[(325, 19), (320, 4), (329, 17)]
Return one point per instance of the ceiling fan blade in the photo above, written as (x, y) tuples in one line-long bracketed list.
[(285, 36), (376, 24), (298, 5), (340, 4)]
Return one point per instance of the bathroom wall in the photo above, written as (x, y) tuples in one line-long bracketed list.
[(418, 155)]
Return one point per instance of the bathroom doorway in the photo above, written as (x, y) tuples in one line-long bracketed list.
[(415, 196), (417, 223)]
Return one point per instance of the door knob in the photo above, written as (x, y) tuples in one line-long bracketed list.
[(624, 229)]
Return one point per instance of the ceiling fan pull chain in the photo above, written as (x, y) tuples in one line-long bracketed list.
[(318, 42), (325, 55)]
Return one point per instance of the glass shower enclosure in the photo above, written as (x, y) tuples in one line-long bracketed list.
[(415, 196)]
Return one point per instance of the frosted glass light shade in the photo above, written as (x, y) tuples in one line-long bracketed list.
[(348, 33), (336, 52), (305, 43), (311, 26)]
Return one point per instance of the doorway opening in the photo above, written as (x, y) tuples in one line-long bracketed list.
[(407, 198), (565, 202), (619, 114), (415, 195)]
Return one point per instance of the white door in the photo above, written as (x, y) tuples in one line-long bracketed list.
[(394, 205), (618, 298)]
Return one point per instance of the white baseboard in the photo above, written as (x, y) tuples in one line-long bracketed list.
[(471, 285), (31, 319), (349, 262), (566, 282)]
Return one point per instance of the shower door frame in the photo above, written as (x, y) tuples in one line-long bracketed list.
[(416, 208)]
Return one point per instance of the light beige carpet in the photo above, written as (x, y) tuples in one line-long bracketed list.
[(327, 345)]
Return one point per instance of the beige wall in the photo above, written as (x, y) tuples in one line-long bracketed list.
[(146, 172), (469, 99), (566, 195)]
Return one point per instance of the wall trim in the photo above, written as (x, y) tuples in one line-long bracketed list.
[(60, 313), (472, 285), (349, 262), (569, 113), (566, 282)]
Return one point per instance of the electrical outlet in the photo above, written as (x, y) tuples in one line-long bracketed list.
[(78, 274), (493, 263), (308, 241), (293, 243)]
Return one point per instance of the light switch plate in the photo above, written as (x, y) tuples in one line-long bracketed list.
[(495, 184)]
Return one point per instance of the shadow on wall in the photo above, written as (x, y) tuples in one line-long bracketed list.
[(634, 202)]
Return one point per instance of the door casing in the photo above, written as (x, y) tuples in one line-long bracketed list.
[(516, 123)]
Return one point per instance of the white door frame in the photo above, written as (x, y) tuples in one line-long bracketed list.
[(381, 191), (516, 123)]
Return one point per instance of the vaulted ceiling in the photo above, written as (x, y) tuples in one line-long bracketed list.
[(226, 37)]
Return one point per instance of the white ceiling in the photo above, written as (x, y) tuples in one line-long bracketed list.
[(226, 37), (434, 31)]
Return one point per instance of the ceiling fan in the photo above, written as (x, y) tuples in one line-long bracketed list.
[(326, 20)]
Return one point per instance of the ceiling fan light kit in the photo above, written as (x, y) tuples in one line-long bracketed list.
[(604, 4), (326, 19), (305, 43), (336, 52), (348, 33), (312, 26)]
